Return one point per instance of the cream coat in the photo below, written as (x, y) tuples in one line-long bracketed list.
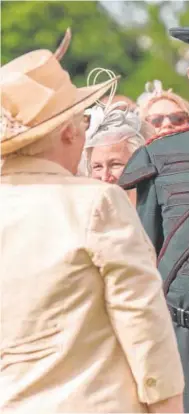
[(85, 327)]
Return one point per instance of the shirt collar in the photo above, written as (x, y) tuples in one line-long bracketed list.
[(30, 164)]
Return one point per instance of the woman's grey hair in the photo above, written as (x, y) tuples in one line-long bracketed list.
[(110, 125)]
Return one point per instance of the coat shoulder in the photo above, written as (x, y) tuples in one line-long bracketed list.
[(140, 167)]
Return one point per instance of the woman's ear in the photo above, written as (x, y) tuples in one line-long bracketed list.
[(67, 133)]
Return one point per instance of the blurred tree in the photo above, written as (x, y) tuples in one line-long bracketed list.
[(98, 40), (160, 52)]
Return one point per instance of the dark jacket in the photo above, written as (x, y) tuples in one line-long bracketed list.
[(160, 173)]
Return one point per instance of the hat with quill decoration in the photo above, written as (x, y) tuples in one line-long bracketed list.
[(37, 95)]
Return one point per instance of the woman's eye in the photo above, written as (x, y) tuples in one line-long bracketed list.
[(117, 164), (96, 167)]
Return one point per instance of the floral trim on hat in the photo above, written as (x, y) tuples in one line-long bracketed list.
[(9, 126)]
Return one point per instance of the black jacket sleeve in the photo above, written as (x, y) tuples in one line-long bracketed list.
[(140, 173)]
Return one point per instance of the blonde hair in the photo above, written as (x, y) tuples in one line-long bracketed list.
[(153, 93)]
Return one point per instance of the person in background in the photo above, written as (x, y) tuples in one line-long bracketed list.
[(85, 326), (125, 102), (160, 173), (113, 136), (165, 110)]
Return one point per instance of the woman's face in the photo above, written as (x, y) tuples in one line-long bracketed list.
[(166, 116), (108, 162)]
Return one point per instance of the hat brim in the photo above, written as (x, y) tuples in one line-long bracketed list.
[(181, 33), (85, 97)]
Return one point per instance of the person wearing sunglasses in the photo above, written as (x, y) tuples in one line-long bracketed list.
[(160, 173), (165, 110)]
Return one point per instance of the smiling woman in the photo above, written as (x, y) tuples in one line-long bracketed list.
[(112, 137), (165, 110), (107, 162)]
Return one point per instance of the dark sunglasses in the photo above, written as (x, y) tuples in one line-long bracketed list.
[(176, 119)]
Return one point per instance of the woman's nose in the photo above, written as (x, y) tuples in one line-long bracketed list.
[(166, 122), (107, 176)]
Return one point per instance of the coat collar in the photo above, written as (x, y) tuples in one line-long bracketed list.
[(27, 164)]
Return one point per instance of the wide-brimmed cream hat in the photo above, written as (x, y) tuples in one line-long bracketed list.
[(37, 95)]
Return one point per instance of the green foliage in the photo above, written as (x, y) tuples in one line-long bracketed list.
[(97, 41)]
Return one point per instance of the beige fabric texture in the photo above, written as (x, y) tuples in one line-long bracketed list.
[(85, 327), (37, 95)]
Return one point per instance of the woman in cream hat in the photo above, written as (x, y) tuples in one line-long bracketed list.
[(39, 76), (85, 327)]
